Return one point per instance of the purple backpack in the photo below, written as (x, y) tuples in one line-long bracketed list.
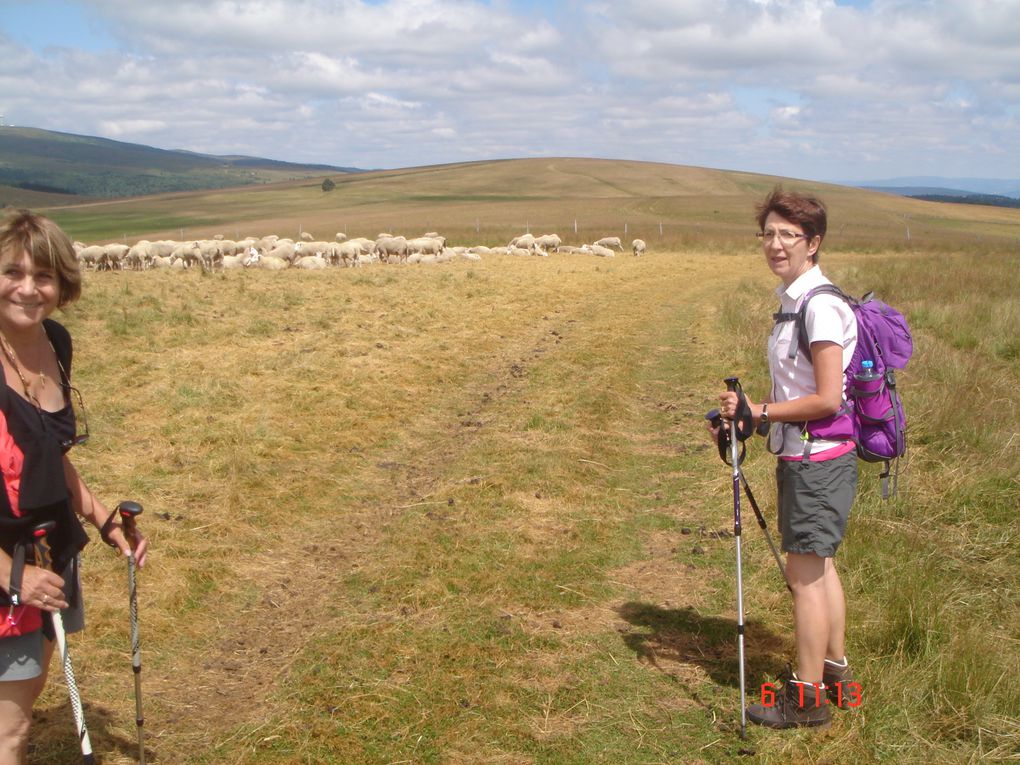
[(873, 415)]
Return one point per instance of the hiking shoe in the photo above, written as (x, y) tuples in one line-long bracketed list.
[(843, 692), (795, 705)]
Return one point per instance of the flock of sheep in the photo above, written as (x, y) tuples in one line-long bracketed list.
[(275, 253)]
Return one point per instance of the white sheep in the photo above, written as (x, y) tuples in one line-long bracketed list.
[(638, 247), (524, 241), (284, 250), (188, 254), (89, 256), (392, 249), (272, 263), (548, 242), (430, 245), (610, 241), (311, 262)]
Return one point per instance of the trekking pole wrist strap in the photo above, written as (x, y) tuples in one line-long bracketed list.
[(104, 531)]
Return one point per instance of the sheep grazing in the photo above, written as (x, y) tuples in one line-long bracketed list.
[(638, 247), (548, 243), (610, 241), (432, 245), (277, 253), (524, 241), (284, 250), (392, 249)]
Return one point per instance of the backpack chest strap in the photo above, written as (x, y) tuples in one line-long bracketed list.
[(781, 317)]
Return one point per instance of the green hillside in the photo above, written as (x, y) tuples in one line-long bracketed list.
[(43, 161), (669, 206)]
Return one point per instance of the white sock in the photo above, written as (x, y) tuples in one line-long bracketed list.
[(795, 679)]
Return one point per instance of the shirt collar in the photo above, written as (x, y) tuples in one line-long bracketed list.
[(806, 281)]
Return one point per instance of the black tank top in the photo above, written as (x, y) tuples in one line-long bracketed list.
[(43, 493)]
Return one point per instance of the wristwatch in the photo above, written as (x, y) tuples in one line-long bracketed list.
[(763, 421)]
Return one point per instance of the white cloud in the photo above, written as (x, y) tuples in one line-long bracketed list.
[(803, 88)]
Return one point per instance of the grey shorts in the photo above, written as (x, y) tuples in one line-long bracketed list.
[(814, 503), (21, 657)]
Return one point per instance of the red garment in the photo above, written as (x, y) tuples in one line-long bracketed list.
[(19, 620)]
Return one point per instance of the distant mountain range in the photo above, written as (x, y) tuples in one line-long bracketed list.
[(1002, 191), (44, 162)]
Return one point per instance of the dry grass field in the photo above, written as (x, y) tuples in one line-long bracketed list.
[(468, 513)]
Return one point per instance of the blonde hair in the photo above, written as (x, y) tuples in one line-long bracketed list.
[(46, 245)]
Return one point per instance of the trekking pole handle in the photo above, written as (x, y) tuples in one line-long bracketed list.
[(42, 546), (732, 384), (129, 509), (129, 512)]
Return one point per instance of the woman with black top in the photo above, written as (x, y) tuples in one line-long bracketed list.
[(38, 426)]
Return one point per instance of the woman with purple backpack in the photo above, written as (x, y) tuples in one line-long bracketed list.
[(816, 475)]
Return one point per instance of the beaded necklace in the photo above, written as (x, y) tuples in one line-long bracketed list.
[(41, 378)]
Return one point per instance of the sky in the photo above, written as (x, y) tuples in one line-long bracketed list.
[(831, 90)]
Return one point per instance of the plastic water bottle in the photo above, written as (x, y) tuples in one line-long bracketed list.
[(867, 371), (868, 391)]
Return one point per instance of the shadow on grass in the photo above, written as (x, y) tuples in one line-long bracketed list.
[(670, 638), (53, 738)]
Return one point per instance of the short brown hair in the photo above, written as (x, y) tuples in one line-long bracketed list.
[(806, 211), (48, 247)]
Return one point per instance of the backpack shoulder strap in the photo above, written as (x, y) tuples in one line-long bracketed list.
[(61, 340), (800, 339)]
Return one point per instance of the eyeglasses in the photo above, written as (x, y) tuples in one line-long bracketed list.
[(81, 420), (786, 238)]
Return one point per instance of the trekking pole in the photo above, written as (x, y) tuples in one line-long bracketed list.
[(129, 511), (765, 527), (733, 384), (715, 418), (44, 560)]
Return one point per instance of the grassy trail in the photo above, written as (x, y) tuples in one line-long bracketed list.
[(469, 514), (422, 539)]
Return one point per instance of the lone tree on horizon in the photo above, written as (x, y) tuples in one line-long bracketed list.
[(328, 185)]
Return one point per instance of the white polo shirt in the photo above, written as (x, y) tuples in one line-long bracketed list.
[(828, 318)]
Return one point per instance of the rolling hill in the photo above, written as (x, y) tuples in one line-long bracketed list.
[(672, 207), (66, 166)]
